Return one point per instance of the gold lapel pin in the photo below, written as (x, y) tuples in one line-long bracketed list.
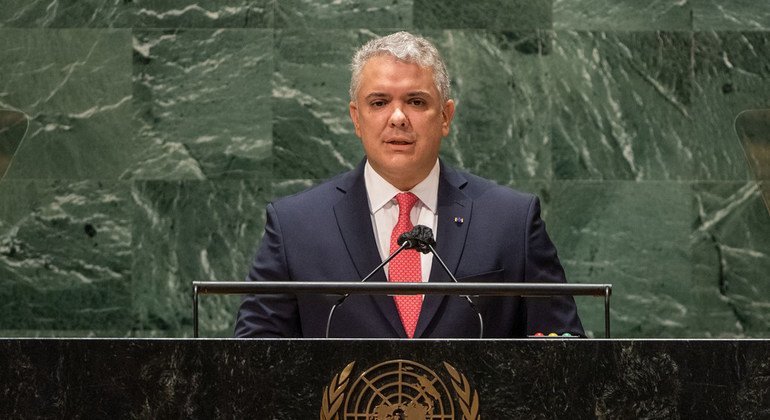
[(459, 220)]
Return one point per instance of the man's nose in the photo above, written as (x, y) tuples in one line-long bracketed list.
[(398, 118)]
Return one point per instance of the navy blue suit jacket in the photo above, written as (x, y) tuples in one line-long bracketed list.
[(325, 234)]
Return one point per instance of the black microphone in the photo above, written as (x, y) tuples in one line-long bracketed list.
[(421, 239), (418, 238), (406, 244)]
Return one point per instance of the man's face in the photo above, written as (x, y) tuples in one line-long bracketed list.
[(400, 117)]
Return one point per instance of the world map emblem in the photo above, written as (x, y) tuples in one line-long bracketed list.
[(399, 390)]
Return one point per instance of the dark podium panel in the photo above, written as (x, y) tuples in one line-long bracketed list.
[(286, 379)]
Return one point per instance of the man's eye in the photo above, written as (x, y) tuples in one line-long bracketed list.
[(378, 103), (418, 102)]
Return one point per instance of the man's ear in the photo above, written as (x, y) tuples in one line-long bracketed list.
[(448, 112), (353, 109)]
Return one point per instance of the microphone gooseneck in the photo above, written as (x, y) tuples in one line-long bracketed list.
[(423, 236), (421, 239), (468, 298), (404, 245)]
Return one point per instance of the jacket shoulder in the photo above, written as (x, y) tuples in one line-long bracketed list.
[(315, 197), (483, 189)]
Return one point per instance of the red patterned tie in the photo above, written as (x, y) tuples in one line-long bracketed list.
[(405, 267)]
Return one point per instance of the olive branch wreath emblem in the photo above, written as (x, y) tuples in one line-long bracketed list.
[(334, 394), (469, 404)]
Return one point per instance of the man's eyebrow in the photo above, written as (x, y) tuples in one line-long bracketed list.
[(385, 95), (418, 93), (376, 95)]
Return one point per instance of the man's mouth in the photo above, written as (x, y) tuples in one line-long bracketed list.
[(398, 142)]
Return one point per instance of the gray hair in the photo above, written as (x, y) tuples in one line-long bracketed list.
[(405, 47)]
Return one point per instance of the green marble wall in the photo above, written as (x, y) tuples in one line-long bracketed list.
[(160, 129)]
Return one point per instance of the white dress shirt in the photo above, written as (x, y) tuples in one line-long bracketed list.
[(384, 210)]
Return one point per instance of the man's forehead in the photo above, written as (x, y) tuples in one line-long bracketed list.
[(386, 76), (383, 76)]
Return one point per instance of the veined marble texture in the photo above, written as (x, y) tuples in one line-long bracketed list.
[(77, 92), (136, 13), (620, 105), (730, 15), (65, 257), (185, 231), (731, 73), (731, 249), (623, 15), (635, 236), (66, 14), (343, 14), (160, 129), (483, 14), (203, 13), (202, 104), (500, 84), (312, 133)]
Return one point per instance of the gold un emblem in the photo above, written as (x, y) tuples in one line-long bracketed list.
[(399, 390)]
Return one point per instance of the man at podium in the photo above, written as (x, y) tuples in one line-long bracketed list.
[(401, 108)]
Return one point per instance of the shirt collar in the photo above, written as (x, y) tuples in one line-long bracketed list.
[(380, 191)]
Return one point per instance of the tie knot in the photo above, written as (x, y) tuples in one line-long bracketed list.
[(405, 202)]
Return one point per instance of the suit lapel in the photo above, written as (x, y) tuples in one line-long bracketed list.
[(450, 237), (355, 225)]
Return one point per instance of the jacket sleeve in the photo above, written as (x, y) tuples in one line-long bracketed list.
[(269, 315), (550, 314)]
